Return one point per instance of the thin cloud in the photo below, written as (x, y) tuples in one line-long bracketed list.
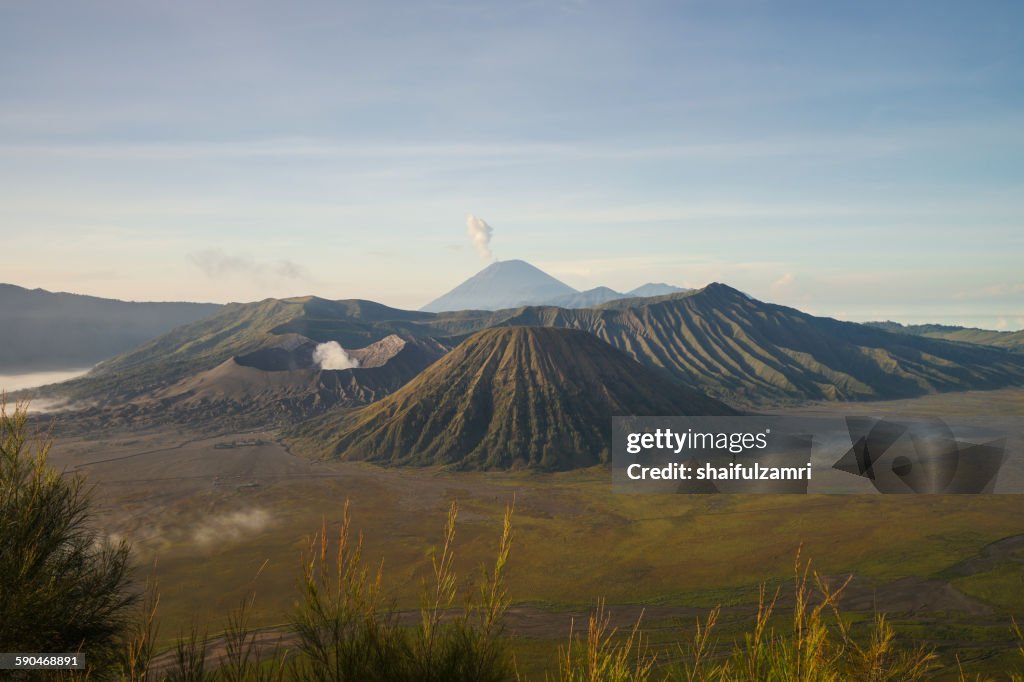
[(783, 283), (218, 264), (1003, 290), (817, 145)]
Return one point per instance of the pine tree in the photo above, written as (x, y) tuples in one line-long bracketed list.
[(63, 586)]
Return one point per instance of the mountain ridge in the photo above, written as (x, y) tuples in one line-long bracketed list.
[(735, 346), (732, 346), (987, 337), (506, 398), (41, 330)]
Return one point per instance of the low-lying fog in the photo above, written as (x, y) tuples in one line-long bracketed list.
[(16, 382)]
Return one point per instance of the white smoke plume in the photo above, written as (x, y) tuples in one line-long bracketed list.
[(480, 232), (331, 355), (235, 526)]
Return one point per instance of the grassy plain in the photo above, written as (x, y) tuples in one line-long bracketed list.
[(213, 517)]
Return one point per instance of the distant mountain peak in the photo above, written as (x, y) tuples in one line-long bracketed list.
[(511, 262), (723, 288), (502, 284), (514, 283), (654, 289), (724, 291)]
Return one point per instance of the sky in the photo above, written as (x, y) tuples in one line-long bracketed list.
[(858, 160)]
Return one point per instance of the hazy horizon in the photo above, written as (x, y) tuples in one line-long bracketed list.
[(862, 162), (966, 322)]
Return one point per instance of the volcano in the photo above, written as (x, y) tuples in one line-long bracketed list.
[(504, 284), (507, 398)]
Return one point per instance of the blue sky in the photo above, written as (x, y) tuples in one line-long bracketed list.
[(859, 160)]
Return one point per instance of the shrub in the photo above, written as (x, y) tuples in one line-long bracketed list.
[(63, 587), (346, 633)]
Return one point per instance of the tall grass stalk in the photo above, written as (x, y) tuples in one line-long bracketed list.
[(343, 634), (242, 661), (141, 643), (190, 658), (602, 657), (696, 662)]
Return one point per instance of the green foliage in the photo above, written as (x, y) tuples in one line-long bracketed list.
[(345, 633), (138, 651), (817, 647), (882, 660), (807, 654), (696, 655), (1018, 677), (466, 646), (190, 659), (601, 658), (241, 661), (63, 587)]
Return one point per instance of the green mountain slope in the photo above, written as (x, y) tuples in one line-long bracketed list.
[(717, 339), (506, 398), (239, 329), (986, 337), (733, 346)]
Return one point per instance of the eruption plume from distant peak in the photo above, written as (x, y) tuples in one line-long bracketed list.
[(331, 355), (480, 232)]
